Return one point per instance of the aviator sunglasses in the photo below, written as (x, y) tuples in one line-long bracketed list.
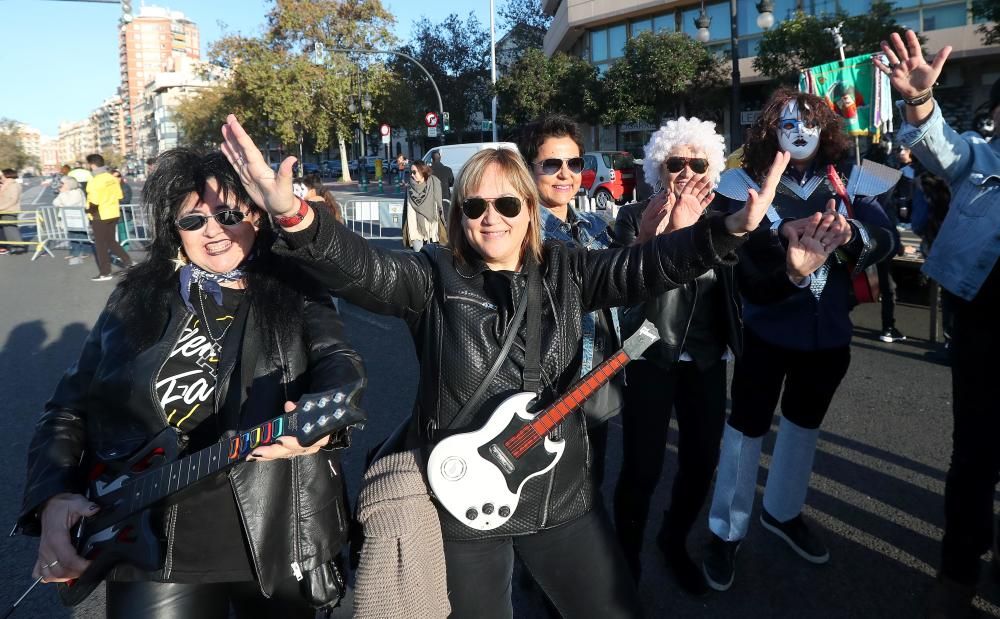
[(508, 206), (195, 221), (552, 166), (698, 165)]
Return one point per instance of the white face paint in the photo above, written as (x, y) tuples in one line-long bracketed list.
[(800, 139), (300, 190)]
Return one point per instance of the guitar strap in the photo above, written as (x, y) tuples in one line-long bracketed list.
[(530, 371), (531, 379)]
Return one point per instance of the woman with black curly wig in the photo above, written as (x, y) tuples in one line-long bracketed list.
[(797, 326), (208, 336)]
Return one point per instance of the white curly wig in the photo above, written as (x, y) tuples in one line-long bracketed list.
[(699, 134)]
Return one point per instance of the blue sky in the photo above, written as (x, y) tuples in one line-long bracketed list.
[(61, 58)]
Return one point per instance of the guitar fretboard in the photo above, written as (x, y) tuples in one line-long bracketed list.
[(543, 423), (157, 483)]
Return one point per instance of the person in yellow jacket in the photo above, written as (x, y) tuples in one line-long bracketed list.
[(104, 193)]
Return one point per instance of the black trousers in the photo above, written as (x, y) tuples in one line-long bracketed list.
[(699, 397), (887, 287), (810, 379), (104, 242), (9, 233), (578, 565), (975, 456), (157, 600)]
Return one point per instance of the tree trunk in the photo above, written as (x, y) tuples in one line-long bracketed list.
[(344, 166)]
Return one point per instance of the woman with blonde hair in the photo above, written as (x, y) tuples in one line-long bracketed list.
[(460, 303)]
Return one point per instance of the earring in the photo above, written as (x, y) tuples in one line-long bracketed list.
[(181, 260)]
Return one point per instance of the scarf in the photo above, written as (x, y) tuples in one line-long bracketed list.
[(417, 194), (207, 281)]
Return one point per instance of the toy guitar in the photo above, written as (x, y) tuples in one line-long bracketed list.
[(478, 476), (122, 531)]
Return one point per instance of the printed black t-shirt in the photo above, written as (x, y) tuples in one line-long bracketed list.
[(209, 545)]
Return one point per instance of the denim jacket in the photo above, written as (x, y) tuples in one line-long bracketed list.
[(588, 230), (967, 247)]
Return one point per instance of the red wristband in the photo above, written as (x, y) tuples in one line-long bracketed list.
[(296, 219)]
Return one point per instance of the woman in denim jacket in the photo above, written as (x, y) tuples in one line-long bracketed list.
[(964, 261)]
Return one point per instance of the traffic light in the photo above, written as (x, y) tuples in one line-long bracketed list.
[(446, 118), (126, 10)]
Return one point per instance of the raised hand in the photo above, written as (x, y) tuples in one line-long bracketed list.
[(908, 71), (691, 202), (286, 446), (268, 190), (656, 216), (833, 228), (748, 218)]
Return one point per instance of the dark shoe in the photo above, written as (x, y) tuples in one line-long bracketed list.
[(948, 599), (719, 565), (891, 335), (686, 571), (797, 534)]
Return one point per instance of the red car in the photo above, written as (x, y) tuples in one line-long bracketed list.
[(609, 176)]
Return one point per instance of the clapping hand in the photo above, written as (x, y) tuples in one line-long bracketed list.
[(668, 211), (749, 217), (811, 240)]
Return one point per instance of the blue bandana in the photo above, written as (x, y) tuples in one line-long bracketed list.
[(207, 281)]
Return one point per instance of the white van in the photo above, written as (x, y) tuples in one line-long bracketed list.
[(455, 155)]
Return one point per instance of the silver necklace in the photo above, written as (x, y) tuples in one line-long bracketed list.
[(216, 346)]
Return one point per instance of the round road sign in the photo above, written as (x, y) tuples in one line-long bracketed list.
[(431, 119), (384, 130)]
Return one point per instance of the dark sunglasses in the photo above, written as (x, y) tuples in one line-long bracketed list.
[(508, 206), (195, 221), (552, 166), (697, 164)]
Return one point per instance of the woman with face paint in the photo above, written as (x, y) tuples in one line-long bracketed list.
[(795, 279)]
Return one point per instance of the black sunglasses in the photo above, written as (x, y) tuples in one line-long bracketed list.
[(698, 165), (552, 166), (508, 206), (195, 221)]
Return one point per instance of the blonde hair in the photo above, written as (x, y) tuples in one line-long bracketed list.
[(513, 169)]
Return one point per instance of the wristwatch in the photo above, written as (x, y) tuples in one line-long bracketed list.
[(296, 219)]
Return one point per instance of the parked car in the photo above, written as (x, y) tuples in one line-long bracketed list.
[(455, 155), (310, 168), (608, 176)]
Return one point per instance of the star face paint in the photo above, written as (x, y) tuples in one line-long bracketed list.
[(800, 138)]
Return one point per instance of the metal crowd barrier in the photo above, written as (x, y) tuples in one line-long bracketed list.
[(58, 226), (25, 222), (135, 225), (374, 218)]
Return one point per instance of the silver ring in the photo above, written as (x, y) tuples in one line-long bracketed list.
[(48, 565)]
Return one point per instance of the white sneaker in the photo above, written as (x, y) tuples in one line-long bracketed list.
[(101, 278)]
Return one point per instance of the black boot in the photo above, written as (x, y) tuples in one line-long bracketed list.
[(686, 571)]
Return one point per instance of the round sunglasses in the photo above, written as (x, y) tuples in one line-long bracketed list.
[(508, 206), (698, 165), (552, 166), (195, 221)]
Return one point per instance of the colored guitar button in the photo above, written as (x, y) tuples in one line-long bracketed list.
[(472, 514), (504, 511)]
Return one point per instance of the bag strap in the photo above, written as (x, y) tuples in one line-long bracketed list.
[(532, 377), (515, 324)]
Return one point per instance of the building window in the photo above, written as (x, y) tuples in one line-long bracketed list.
[(616, 40), (599, 46), (945, 17), (718, 30), (638, 27), (909, 19), (665, 23)]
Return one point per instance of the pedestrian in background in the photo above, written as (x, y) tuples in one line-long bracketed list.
[(10, 206), (964, 260), (126, 188), (317, 195), (401, 168), (70, 195), (104, 194), (444, 174), (700, 330), (80, 173), (422, 208)]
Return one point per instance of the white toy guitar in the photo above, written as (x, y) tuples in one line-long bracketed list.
[(478, 476)]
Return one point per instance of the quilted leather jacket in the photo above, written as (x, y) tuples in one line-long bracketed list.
[(458, 313), (106, 404)]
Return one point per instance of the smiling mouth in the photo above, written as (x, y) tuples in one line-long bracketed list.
[(218, 247), (799, 142), (495, 234)]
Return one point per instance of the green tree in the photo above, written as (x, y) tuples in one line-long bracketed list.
[(12, 153), (561, 84), (990, 11), (667, 73), (525, 22), (802, 41)]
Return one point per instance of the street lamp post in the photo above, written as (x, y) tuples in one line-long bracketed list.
[(364, 104)]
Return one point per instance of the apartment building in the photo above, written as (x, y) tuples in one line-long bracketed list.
[(597, 30)]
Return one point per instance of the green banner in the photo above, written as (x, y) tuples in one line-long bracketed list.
[(848, 87)]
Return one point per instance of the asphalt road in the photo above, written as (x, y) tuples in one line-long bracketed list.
[(877, 488)]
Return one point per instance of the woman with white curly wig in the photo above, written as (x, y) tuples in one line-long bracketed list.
[(699, 325)]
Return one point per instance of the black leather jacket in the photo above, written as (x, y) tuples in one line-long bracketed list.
[(293, 510), (459, 312), (671, 311)]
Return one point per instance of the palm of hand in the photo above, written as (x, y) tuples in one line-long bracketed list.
[(686, 211), (806, 255)]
